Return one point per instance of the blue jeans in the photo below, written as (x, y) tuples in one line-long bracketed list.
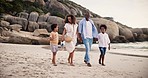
[(87, 42)]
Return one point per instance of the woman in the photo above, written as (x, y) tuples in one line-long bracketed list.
[(70, 29)]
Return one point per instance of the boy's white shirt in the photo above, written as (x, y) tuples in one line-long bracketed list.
[(103, 40)]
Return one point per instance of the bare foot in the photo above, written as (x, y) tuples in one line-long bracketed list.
[(54, 64), (68, 60), (71, 64)]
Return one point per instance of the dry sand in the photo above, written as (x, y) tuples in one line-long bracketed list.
[(34, 61)]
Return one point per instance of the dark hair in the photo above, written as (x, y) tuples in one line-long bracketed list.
[(73, 19), (103, 26), (53, 26)]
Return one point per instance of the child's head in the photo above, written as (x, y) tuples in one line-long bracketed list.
[(54, 27), (103, 28)]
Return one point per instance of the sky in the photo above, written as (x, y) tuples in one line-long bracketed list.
[(133, 13)]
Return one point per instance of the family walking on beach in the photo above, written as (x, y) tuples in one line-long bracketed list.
[(85, 32)]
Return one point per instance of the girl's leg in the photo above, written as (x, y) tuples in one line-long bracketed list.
[(72, 54)]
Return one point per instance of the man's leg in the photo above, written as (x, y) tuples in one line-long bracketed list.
[(87, 47)]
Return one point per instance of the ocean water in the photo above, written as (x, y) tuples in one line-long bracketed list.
[(135, 45)]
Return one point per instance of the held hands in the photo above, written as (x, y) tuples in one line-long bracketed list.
[(80, 39)]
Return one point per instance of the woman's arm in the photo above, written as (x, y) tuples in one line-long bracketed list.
[(64, 32)]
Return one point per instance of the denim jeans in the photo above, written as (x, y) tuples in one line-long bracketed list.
[(87, 42)]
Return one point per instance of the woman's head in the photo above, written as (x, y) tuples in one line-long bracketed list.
[(103, 28), (70, 19)]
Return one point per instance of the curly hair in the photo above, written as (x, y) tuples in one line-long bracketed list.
[(103, 25), (53, 26), (73, 19)]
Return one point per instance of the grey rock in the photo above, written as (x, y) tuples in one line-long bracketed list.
[(32, 26), (33, 16), (4, 23), (126, 32), (23, 15)]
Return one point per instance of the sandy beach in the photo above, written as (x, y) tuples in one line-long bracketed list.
[(34, 61)]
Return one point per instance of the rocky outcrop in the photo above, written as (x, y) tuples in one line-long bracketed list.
[(15, 29), (120, 39), (123, 31), (17, 20)]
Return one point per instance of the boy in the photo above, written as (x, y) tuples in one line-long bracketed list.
[(104, 42), (54, 42)]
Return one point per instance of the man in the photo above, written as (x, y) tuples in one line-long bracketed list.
[(87, 31)]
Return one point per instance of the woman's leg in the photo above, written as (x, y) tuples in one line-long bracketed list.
[(69, 58), (72, 54)]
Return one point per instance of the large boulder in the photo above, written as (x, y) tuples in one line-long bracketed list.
[(142, 37), (33, 16), (4, 23), (32, 26), (56, 20), (43, 18), (126, 32), (41, 32), (15, 27), (112, 27), (41, 2), (23, 15), (60, 8), (45, 25), (120, 39), (19, 40), (17, 20), (145, 30), (137, 30)]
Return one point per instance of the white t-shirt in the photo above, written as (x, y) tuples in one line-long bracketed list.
[(103, 40), (88, 29)]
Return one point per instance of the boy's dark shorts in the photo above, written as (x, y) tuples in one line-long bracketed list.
[(102, 50)]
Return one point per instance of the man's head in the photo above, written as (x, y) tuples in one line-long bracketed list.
[(87, 15)]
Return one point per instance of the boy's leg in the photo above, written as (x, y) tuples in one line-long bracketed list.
[(103, 56), (100, 58), (54, 58)]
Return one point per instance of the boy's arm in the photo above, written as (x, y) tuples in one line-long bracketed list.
[(109, 46), (51, 36)]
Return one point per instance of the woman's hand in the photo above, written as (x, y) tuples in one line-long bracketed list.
[(62, 39)]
